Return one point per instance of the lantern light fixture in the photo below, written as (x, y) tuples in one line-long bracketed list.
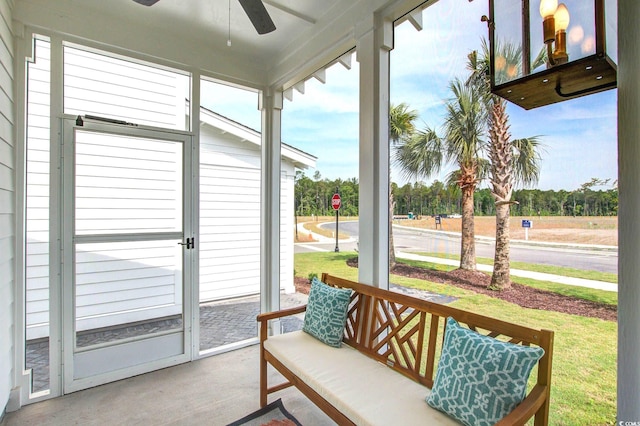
[(573, 45)]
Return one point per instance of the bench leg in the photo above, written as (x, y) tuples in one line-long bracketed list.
[(542, 416), (263, 365), (263, 379)]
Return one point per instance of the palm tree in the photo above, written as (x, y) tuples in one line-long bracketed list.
[(512, 161), (462, 145), (401, 128)]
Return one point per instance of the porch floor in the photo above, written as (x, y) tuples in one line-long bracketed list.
[(221, 323), (213, 391)]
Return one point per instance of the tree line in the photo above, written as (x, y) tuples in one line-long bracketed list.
[(313, 197)]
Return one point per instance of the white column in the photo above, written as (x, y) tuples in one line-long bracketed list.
[(629, 211), (20, 385), (271, 108), (373, 47), (57, 314), (194, 177)]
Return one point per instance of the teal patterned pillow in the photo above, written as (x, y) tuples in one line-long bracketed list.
[(480, 379), (326, 312)]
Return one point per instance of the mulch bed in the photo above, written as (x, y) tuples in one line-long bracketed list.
[(527, 297)]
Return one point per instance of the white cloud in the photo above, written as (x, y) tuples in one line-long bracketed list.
[(441, 47), (237, 104)]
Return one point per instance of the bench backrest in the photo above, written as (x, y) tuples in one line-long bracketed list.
[(407, 333)]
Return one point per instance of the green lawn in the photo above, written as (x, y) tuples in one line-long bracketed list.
[(585, 350)]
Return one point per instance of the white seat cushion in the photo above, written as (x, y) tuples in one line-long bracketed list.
[(364, 390)]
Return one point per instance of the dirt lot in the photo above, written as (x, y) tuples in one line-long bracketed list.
[(563, 229)]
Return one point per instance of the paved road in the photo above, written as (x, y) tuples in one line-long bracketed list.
[(412, 240)]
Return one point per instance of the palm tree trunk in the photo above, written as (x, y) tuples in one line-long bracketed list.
[(468, 244), (501, 279), (500, 153)]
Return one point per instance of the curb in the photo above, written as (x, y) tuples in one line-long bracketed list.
[(321, 238)]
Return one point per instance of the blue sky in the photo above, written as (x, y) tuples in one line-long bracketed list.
[(579, 136)]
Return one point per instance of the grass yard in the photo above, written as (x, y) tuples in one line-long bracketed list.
[(585, 349)]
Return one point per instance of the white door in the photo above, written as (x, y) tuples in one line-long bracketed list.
[(127, 246)]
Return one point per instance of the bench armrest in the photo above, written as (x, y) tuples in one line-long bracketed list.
[(281, 313), (527, 408), (264, 318)]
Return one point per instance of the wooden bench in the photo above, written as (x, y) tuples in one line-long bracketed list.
[(400, 338)]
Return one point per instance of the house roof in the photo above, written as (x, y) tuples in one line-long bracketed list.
[(299, 158)]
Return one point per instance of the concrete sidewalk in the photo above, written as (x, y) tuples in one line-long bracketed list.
[(578, 282)]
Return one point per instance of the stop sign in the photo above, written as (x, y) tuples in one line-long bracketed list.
[(336, 201)]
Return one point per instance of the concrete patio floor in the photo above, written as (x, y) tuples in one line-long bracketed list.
[(215, 330), (211, 391)]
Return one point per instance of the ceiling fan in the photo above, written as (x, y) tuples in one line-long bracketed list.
[(254, 9)]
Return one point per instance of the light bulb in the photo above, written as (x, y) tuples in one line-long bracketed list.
[(548, 7), (562, 17)]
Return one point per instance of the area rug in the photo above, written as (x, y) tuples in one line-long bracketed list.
[(273, 414)]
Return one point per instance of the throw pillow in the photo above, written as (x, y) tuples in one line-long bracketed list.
[(480, 379), (326, 312)]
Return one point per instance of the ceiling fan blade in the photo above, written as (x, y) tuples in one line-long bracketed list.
[(146, 2), (258, 15)]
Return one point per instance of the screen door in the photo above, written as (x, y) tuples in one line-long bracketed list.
[(126, 243)]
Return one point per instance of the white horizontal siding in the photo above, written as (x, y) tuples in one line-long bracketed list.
[(7, 206), (99, 85), (37, 194), (287, 204), (113, 170), (127, 184), (229, 230), (131, 278), (230, 217)]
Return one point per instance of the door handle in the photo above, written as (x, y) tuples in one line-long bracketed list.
[(191, 243)]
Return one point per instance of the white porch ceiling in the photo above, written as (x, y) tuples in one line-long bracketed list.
[(195, 32)]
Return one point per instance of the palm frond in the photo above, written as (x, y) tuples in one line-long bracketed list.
[(420, 156), (401, 122), (527, 160), (539, 60), (464, 123), (484, 168), (453, 178)]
